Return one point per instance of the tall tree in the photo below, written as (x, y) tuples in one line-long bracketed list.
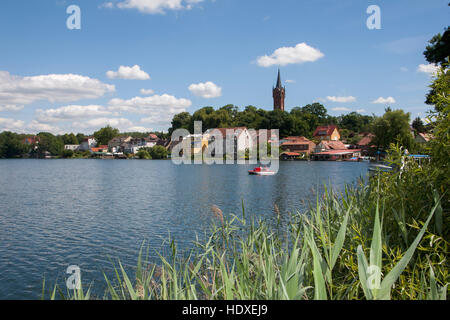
[(48, 142), (418, 125), (10, 145), (104, 135), (392, 127)]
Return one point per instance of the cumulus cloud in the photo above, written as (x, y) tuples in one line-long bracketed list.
[(157, 6), (381, 100), (12, 108), (128, 73), (139, 129), (361, 110), (341, 99), (427, 68), (290, 81), (72, 112), (16, 91), (7, 124), (160, 109), (340, 109), (96, 123), (106, 5), (290, 55), (147, 92), (35, 127), (206, 90)]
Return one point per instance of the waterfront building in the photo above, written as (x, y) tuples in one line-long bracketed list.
[(73, 147), (242, 139), (424, 137), (328, 150), (88, 143), (117, 145), (295, 147), (330, 132)]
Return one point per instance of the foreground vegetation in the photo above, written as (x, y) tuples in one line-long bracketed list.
[(334, 250)]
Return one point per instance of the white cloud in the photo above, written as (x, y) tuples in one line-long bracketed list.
[(382, 100), (206, 90), (361, 110), (7, 124), (290, 81), (341, 99), (107, 5), (290, 55), (12, 108), (159, 108), (147, 92), (18, 91), (128, 73), (71, 112), (157, 6), (97, 123), (139, 129), (427, 68), (340, 109), (35, 127)]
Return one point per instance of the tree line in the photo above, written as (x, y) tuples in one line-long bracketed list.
[(12, 144)]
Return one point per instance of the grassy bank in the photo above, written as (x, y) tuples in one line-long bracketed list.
[(368, 243)]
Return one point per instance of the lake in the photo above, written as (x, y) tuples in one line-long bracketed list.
[(56, 213)]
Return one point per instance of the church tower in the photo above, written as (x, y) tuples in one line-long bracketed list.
[(279, 93)]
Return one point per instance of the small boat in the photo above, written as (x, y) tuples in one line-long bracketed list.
[(261, 171), (377, 167)]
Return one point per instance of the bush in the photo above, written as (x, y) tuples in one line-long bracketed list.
[(158, 152), (144, 154), (67, 154)]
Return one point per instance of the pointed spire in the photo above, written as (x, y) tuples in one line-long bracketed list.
[(279, 86)]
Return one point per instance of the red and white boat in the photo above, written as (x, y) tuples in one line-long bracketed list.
[(261, 171)]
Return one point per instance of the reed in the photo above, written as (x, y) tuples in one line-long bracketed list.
[(317, 254)]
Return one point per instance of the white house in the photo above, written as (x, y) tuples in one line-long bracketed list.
[(134, 145), (243, 140), (87, 144), (73, 147), (117, 144)]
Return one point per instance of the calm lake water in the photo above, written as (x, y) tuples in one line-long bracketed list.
[(56, 213)]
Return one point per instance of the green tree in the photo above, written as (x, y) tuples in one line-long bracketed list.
[(441, 144), (158, 152), (67, 154), (316, 109), (69, 139), (48, 142), (80, 137), (144, 154), (438, 50), (392, 127), (11, 146), (418, 125), (181, 121), (104, 135)]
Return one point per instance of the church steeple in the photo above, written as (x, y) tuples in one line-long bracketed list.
[(279, 93), (279, 80)]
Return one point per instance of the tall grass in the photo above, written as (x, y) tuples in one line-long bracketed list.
[(318, 254)]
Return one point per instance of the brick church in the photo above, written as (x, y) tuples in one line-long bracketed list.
[(279, 93)]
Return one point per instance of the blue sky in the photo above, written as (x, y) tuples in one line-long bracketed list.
[(193, 53)]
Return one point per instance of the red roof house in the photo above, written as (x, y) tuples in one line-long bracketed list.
[(329, 132)]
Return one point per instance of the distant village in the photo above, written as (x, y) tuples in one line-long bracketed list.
[(327, 146), (324, 143)]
